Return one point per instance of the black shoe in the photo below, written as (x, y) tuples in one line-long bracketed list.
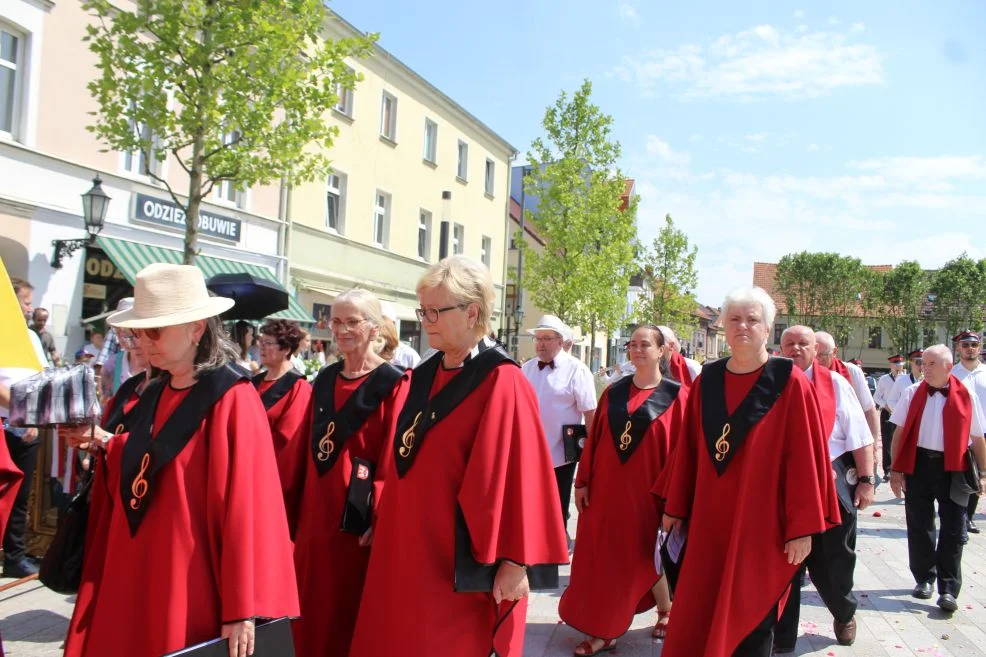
[(783, 650), (922, 591), (886, 477), (19, 568), (973, 527), (947, 602)]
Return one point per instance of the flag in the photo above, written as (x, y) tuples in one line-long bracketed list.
[(16, 350)]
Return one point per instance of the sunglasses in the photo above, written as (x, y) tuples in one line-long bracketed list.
[(966, 345), (128, 337)]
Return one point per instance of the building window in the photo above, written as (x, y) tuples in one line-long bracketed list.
[(141, 162), (462, 172), (458, 238), (431, 141), (11, 78), (345, 103), (228, 191), (485, 254), (930, 335), (381, 219), (876, 337), (388, 117), (490, 169), (424, 235), (335, 202), (778, 330)]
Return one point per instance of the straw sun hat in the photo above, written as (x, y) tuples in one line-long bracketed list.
[(166, 295)]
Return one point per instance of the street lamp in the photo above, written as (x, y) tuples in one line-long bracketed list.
[(95, 202)]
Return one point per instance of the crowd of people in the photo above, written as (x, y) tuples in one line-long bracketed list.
[(393, 505)]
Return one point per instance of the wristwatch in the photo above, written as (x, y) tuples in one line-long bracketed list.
[(866, 479)]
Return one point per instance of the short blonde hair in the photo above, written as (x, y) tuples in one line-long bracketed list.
[(468, 281), (367, 303)]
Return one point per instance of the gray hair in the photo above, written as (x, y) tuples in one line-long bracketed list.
[(748, 295), (941, 351), (468, 281), (215, 348), (801, 328), (825, 339), (367, 303)]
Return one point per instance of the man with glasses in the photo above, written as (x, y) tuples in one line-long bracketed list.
[(915, 375), (973, 373), (566, 397)]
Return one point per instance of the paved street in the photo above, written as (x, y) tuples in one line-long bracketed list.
[(891, 623)]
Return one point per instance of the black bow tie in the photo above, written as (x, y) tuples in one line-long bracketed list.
[(943, 390), (542, 364)]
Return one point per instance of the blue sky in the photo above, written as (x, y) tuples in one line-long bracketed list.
[(763, 128)]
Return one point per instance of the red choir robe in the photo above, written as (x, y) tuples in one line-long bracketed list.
[(613, 568), (488, 456), (777, 487), (330, 563), (10, 483), (288, 418), (679, 370), (212, 547)]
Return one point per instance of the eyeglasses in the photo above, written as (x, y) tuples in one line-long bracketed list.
[(546, 338), (432, 314), (350, 324), (128, 337), (269, 343), (823, 353), (966, 345)]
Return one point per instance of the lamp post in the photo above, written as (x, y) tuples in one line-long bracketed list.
[(95, 202)]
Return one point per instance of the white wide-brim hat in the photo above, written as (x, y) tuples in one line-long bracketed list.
[(166, 295), (551, 323)]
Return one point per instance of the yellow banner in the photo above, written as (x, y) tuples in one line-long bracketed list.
[(15, 346)]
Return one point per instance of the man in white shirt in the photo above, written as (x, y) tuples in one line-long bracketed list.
[(22, 445), (973, 373), (832, 560), (828, 356), (881, 398), (937, 420), (694, 367), (915, 374), (566, 396)]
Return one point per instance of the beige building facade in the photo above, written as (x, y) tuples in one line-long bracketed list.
[(376, 222)]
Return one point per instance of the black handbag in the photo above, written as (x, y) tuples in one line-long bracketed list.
[(61, 569), (969, 478), (358, 512), (573, 438)]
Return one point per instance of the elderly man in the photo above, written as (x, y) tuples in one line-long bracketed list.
[(973, 373), (937, 420), (828, 355), (881, 398), (832, 560), (566, 397), (679, 364)]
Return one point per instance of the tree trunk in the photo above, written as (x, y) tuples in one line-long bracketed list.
[(197, 170), (592, 346)]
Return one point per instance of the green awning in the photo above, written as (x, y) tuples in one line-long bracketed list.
[(131, 257)]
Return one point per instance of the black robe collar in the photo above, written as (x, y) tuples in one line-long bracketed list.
[(420, 414), (280, 388), (330, 427), (145, 455), (627, 431), (117, 420), (725, 433)]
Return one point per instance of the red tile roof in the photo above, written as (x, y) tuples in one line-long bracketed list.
[(765, 272)]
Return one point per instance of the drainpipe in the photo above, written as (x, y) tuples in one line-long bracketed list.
[(283, 231), (506, 252)]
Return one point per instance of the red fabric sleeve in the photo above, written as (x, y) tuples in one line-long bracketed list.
[(677, 484), (291, 432), (597, 433), (509, 496), (248, 527), (10, 482), (391, 408)]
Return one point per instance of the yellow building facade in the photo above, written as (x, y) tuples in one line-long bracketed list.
[(376, 222)]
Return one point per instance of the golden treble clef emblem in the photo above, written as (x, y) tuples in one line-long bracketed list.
[(722, 445), (139, 486), (626, 438), (326, 445), (407, 440)]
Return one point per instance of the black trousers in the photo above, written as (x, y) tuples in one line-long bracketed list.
[(971, 508), (887, 432), (565, 475), (832, 562), (759, 642), (929, 561), (25, 457)]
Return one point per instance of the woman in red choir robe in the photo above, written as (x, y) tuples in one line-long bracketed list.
[(751, 481), (285, 393), (613, 575), (10, 482), (353, 413), (196, 539), (469, 516)]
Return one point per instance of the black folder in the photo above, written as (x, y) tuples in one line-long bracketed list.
[(357, 515), (573, 438), (272, 639)]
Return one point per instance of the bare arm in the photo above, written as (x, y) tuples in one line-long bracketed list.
[(4, 396), (873, 421), (589, 416)]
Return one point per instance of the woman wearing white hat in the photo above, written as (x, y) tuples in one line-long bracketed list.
[(196, 537)]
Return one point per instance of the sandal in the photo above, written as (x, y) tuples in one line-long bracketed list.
[(584, 649), (661, 627)]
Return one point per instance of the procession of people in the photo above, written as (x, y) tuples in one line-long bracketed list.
[(408, 507)]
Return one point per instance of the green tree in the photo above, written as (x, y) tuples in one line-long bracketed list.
[(668, 269), (959, 290), (822, 290), (903, 296), (233, 92), (583, 272)]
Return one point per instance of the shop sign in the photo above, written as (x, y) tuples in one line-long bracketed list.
[(170, 215), (99, 266), (94, 291)]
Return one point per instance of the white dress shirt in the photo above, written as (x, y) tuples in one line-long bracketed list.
[(564, 393), (931, 434), (850, 431), (11, 375), (961, 372), (694, 367), (903, 382), (405, 356), (858, 380), (883, 388)]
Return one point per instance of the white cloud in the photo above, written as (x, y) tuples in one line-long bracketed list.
[(628, 12), (813, 148), (662, 149), (857, 28), (762, 61), (757, 137), (921, 169), (799, 14), (833, 21)]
